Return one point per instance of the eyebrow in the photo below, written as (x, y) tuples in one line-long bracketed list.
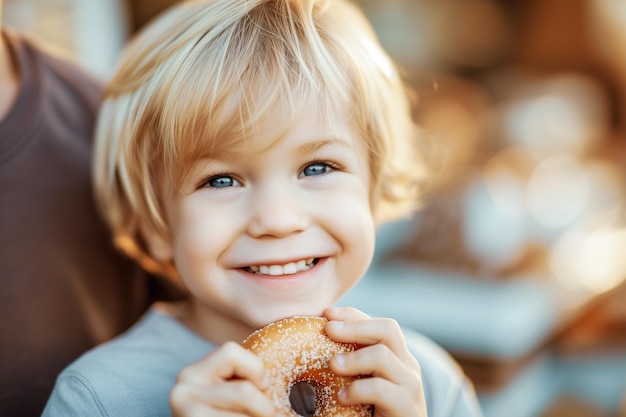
[(305, 148), (313, 146)]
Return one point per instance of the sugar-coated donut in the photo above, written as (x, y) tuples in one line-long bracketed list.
[(296, 350)]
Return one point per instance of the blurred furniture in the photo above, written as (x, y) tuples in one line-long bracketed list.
[(480, 280), (509, 336)]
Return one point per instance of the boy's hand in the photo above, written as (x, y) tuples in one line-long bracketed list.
[(228, 382), (391, 377)]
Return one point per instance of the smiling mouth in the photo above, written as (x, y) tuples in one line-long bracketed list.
[(286, 269)]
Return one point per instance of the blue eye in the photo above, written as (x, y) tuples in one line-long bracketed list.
[(317, 168), (222, 181)]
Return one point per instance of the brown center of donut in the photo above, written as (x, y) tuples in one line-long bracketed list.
[(302, 398)]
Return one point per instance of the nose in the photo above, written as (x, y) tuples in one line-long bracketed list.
[(277, 212)]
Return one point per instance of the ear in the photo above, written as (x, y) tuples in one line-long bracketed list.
[(159, 247)]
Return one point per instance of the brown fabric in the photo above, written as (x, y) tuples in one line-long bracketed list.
[(63, 288), (143, 11)]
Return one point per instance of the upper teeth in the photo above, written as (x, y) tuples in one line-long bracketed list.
[(287, 269)]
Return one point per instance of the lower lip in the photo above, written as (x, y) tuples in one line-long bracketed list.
[(280, 281)]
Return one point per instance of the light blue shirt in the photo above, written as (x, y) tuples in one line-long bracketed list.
[(133, 374)]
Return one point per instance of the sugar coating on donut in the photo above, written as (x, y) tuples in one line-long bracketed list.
[(297, 349)]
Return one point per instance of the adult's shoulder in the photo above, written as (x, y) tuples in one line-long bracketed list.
[(55, 74), (63, 64)]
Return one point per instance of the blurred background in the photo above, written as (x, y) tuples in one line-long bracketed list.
[(516, 262)]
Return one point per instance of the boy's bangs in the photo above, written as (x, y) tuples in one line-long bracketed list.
[(259, 89)]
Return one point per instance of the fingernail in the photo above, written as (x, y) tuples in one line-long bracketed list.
[(336, 325), (266, 381), (342, 395), (340, 360), (330, 311)]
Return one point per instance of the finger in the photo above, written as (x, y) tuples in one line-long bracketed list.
[(389, 399), (369, 391), (231, 360), (377, 361), (370, 332), (237, 396), (345, 314)]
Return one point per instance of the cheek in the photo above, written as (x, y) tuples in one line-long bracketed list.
[(197, 235), (354, 226), (195, 239), (357, 248)]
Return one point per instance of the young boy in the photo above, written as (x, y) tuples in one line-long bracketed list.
[(247, 149)]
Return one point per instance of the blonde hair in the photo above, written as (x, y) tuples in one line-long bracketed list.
[(207, 74)]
